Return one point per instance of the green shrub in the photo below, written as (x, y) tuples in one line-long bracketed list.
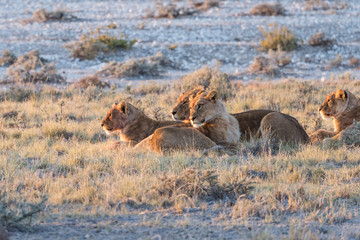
[(89, 46), (278, 38)]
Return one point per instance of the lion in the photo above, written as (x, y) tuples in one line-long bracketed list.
[(172, 138), (132, 123), (253, 123), (209, 115), (136, 129), (343, 107)]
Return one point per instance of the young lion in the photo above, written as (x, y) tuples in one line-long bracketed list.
[(132, 123), (343, 107), (138, 129), (209, 116), (253, 123)]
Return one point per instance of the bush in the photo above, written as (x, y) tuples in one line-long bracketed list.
[(207, 77), (319, 39), (278, 38), (266, 9), (263, 65), (43, 15), (24, 70), (90, 81), (150, 66), (89, 46), (7, 59)]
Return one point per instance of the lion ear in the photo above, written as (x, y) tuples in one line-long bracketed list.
[(123, 107), (213, 96), (341, 94)]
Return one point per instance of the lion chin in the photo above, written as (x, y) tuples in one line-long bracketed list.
[(107, 131), (197, 125)]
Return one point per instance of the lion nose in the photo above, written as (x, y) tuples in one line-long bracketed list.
[(320, 108), (174, 112), (193, 118)]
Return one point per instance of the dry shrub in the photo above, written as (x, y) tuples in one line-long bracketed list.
[(89, 46), (170, 11), (316, 5), (267, 9), (336, 62), (7, 59), (90, 81), (210, 78), (354, 62), (43, 15), (15, 209), (150, 87), (319, 39), (203, 185), (24, 70), (280, 58), (263, 65), (205, 5), (278, 38), (149, 66)]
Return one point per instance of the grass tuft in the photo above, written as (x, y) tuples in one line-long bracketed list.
[(7, 59), (319, 39), (89, 46), (207, 77), (90, 81), (278, 38), (31, 68), (267, 9), (149, 66)]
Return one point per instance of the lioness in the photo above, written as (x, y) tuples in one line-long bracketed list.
[(209, 116), (137, 129), (253, 123), (132, 123), (343, 107)]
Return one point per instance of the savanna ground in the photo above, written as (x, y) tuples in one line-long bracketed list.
[(58, 180)]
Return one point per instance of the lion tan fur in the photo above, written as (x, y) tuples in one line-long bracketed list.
[(209, 116), (250, 122), (132, 123), (176, 138), (343, 107)]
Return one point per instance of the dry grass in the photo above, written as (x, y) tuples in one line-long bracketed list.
[(354, 62), (99, 41), (263, 65), (278, 38), (43, 15), (149, 66), (172, 11), (54, 146), (267, 9), (207, 77), (90, 81), (336, 62), (31, 68), (7, 59), (319, 39), (316, 5)]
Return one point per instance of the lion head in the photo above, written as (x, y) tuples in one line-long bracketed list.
[(181, 111), (204, 108), (118, 117), (335, 104)]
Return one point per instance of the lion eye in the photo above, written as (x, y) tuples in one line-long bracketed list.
[(183, 103), (110, 115)]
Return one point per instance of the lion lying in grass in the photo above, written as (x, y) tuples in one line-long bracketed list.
[(253, 123), (209, 116), (343, 107), (137, 129)]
